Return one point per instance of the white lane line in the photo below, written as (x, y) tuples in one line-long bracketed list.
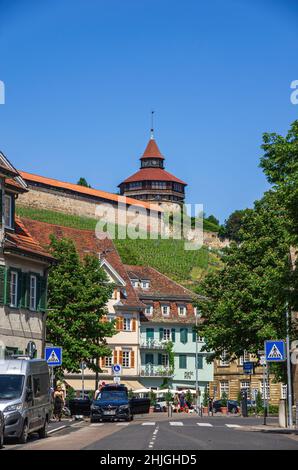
[(56, 429), (96, 424), (233, 426), (205, 425), (176, 423), (122, 424), (148, 423)]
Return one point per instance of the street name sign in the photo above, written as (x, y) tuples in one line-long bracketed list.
[(248, 367), (53, 356), (275, 351)]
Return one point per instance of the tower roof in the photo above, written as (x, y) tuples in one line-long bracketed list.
[(152, 150), (152, 174)]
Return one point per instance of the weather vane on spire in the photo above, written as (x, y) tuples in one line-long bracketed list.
[(152, 126)]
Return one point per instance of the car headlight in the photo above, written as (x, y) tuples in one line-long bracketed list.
[(95, 407), (16, 407), (123, 407)]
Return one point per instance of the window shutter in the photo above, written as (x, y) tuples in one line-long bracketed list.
[(194, 335), (7, 285), (102, 361), (118, 326), (25, 290), (160, 359), (173, 335), (133, 325), (115, 357), (19, 288), (132, 359), (182, 361), (160, 334), (2, 282), (121, 358), (183, 335), (43, 294)]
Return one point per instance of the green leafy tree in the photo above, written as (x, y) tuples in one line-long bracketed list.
[(83, 182), (211, 218), (231, 228), (188, 397), (259, 402), (224, 399), (205, 398), (77, 298)]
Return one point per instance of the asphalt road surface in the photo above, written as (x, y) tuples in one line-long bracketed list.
[(158, 432)]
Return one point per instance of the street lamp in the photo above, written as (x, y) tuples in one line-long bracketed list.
[(197, 383)]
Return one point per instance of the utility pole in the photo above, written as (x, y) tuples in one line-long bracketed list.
[(197, 382), (289, 373)]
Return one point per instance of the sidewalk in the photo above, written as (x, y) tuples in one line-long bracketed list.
[(272, 428)]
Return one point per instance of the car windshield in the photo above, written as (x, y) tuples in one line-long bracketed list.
[(113, 395), (11, 386)]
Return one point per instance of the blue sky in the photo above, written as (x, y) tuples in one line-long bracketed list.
[(82, 76)]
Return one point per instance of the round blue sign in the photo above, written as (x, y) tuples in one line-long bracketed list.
[(117, 368)]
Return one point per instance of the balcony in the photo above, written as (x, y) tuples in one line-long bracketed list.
[(153, 344), (152, 371)]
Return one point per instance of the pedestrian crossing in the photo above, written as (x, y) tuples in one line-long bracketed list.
[(200, 424)]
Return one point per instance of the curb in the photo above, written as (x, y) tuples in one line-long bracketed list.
[(273, 431)]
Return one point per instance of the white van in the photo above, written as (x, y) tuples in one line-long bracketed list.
[(25, 397)]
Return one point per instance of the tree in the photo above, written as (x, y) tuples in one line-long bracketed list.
[(77, 297), (211, 218), (245, 299), (83, 182), (231, 227)]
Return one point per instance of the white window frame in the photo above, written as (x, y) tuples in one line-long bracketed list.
[(183, 308), (223, 362), (126, 324), (149, 310), (267, 390), (125, 358), (167, 307), (145, 284), (283, 391), (33, 293), (135, 282), (8, 215), (166, 334), (224, 387), (245, 386), (200, 339), (108, 361), (165, 360), (244, 358), (14, 288)]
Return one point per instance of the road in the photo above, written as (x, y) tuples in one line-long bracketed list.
[(158, 432)]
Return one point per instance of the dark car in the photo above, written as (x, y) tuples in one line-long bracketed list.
[(233, 406), (159, 408), (1, 429), (112, 403)]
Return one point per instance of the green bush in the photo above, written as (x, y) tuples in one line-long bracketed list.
[(205, 398), (224, 399)]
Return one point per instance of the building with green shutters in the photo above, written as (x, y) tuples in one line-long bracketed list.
[(23, 273), (167, 334)]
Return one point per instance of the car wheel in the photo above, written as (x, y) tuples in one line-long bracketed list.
[(2, 439), (131, 417), (24, 434), (43, 432)]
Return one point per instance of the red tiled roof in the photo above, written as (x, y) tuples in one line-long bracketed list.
[(153, 174), (86, 243), (152, 150), (22, 240), (29, 177)]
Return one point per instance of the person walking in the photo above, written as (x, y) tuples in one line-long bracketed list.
[(58, 403)]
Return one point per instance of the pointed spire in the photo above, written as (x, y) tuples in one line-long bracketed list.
[(152, 126)]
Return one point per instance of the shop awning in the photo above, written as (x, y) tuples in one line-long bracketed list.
[(89, 385)]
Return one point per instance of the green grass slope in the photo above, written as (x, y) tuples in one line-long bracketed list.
[(167, 256)]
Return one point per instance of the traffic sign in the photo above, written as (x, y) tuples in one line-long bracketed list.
[(275, 351), (116, 368), (263, 360), (248, 367), (117, 380), (53, 356)]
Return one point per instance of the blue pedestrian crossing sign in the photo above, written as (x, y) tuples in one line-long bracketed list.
[(275, 351), (116, 368), (53, 356)]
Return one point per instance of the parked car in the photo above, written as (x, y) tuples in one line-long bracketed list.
[(2, 426), (159, 407), (25, 398), (112, 403), (233, 406)]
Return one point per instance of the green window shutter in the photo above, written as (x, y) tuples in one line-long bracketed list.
[(42, 303), (7, 286), (2, 282), (173, 335), (200, 362), (194, 335), (183, 335), (160, 334), (182, 361), (149, 333), (160, 359)]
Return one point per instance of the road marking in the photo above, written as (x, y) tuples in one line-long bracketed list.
[(122, 424), (205, 424), (96, 424), (233, 426), (148, 423), (176, 423), (56, 429)]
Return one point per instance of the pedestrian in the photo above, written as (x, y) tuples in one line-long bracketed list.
[(97, 392), (58, 403), (182, 401)]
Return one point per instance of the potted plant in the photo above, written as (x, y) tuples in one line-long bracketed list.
[(224, 402), (152, 397)]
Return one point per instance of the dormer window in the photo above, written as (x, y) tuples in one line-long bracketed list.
[(145, 284), (8, 211), (149, 310), (181, 310), (165, 310), (135, 283)]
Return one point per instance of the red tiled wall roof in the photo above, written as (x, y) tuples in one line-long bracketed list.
[(152, 174)]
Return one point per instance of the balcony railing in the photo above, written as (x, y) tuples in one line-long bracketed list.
[(153, 344), (152, 371)]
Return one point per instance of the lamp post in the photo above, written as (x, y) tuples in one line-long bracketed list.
[(197, 383), (289, 388)]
